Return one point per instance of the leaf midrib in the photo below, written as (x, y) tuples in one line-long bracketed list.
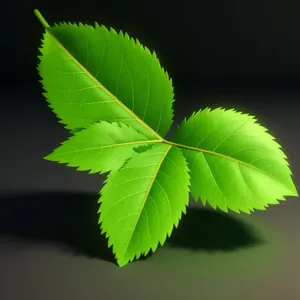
[(148, 192), (221, 155), (111, 146)]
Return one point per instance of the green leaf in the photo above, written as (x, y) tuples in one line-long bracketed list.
[(101, 147), (234, 162), (93, 74), (142, 201)]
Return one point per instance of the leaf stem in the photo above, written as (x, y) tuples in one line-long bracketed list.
[(41, 18)]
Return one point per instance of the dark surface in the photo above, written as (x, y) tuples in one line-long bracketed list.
[(51, 248), (200, 43), (235, 54)]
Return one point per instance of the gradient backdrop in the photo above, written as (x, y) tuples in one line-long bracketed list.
[(234, 54)]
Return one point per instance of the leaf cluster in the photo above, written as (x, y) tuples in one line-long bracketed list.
[(116, 100)]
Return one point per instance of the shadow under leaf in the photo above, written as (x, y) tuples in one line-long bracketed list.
[(72, 219), (69, 218), (210, 230)]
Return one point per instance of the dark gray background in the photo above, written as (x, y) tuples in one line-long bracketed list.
[(235, 54)]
